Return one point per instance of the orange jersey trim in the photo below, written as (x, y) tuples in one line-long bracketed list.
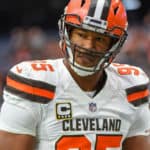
[(30, 89), (138, 95)]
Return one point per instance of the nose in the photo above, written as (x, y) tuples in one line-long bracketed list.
[(89, 43)]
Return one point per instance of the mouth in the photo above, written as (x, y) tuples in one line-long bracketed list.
[(85, 55), (86, 59)]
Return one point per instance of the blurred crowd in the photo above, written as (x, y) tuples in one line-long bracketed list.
[(36, 43), (136, 50)]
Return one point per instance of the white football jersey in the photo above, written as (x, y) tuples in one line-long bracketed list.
[(43, 100)]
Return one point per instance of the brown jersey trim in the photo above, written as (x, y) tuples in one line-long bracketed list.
[(140, 101), (138, 95), (31, 82), (137, 88), (29, 89), (27, 96)]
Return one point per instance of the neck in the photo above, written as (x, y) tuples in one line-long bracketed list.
[(88, 83)]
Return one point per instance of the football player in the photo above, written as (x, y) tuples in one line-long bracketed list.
[(82, 101)]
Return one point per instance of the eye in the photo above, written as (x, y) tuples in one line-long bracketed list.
[(100, 39), (82, 35), (103, 40)]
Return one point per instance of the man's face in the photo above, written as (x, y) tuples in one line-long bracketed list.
[(89, 41)]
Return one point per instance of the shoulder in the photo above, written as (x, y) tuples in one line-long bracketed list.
[(133, 80), (132, 75), (32, 69), (33, 80)]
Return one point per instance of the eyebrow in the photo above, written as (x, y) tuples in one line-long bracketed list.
[(85, 32)]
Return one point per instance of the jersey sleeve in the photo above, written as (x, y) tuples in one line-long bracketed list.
[(32, 81), (19, 117), (137, 90), (134, 82), (27, 89), (137, 94), (141, 125)]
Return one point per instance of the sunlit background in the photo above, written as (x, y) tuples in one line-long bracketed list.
[(28, 30)]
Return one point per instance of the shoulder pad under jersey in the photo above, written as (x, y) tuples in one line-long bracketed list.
[(134, 81), (32, 80)]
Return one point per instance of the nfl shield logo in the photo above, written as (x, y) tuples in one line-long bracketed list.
[(92, 107)]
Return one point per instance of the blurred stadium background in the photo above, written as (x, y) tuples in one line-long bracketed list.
[(28, 30)]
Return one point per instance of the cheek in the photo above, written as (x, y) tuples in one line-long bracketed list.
[(76, 40), (101, 47)]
